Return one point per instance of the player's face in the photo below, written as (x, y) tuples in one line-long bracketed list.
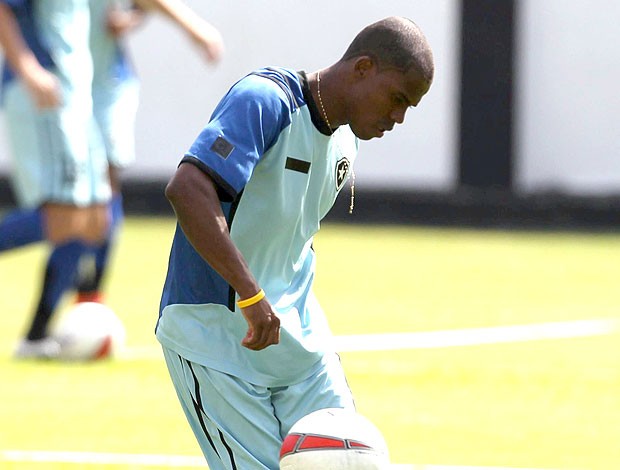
[(381, 100)]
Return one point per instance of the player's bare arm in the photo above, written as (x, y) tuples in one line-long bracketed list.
[(42, 85), (193, 196), (204, 35)]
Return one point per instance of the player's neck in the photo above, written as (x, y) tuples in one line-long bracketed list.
[(323, 93)]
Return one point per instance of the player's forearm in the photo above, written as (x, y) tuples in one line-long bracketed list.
[(18, 55), (203, 34), (41, 84), (196, 204)]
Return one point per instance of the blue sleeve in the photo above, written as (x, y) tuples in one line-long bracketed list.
[(245, 124), (14, 3)]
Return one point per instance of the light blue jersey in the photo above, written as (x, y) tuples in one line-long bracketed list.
[(277, 176)]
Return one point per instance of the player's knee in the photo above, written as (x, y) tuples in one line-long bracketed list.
[(98, 223), (88, 224)]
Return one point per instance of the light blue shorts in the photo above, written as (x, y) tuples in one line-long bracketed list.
[(58, 154), (241, 425), (115, 103)]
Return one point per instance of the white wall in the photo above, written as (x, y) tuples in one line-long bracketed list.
[(179, 90), (569, 98), (568, 104)]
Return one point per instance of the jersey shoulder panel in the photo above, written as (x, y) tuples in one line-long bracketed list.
[(246, 123)]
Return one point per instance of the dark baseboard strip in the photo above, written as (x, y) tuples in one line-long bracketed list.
[(476, 208)]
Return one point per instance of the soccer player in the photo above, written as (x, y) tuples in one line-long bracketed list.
[(59, 166), (244, 338)]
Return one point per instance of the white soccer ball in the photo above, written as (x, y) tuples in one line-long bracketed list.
[(334, 439), (89, 331)]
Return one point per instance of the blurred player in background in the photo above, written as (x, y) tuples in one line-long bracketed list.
[(113, 86), (59, 172), (246, 343)]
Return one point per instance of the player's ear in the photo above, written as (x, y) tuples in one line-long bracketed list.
[(363, 65)]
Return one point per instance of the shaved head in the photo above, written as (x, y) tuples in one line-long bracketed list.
[(394, 42)]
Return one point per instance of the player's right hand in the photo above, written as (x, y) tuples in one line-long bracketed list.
[(207, 38), (263, 326), (44, 88), (120, 21)]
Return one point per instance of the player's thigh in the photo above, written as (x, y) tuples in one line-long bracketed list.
[(327, 388), (56, 155), (232, 420)]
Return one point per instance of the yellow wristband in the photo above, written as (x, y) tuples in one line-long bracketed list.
[(252, 300)]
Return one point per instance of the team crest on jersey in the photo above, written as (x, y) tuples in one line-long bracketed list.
[(342, 170)]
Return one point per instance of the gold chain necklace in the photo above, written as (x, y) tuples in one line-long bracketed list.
[(318, 92), (352, 179)]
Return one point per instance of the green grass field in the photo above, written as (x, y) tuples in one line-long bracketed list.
[(550, 404)]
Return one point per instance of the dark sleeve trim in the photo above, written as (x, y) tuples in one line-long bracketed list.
[(225, 191)]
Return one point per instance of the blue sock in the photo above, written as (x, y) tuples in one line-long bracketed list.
[(21, 227), (60, 276)]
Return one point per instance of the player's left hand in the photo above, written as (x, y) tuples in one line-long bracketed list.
[(263, 326)]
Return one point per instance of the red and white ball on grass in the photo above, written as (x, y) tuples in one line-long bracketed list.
[(89, 331), (334, 439)]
